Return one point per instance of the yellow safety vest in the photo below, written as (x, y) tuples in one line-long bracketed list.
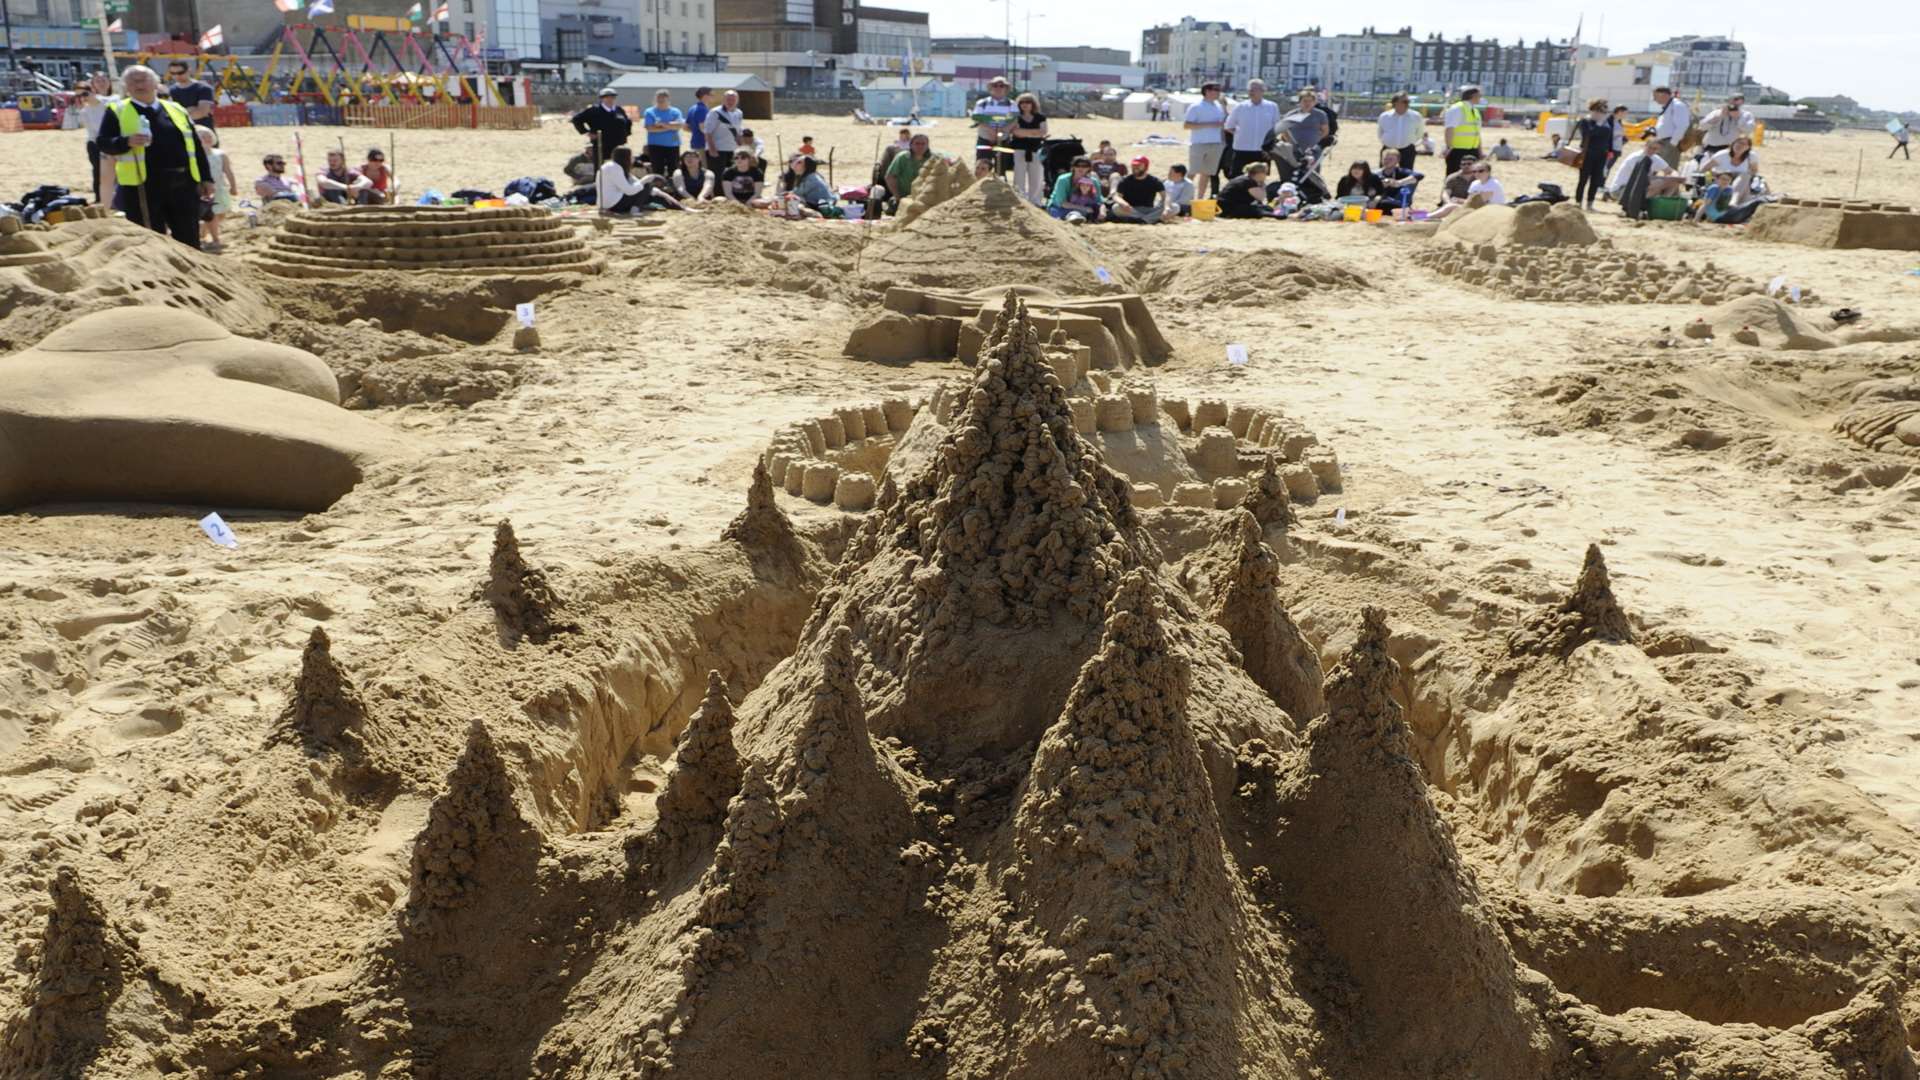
[(131, 169), (1466, 134)]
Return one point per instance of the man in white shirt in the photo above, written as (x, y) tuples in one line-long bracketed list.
[(992, 122), (1205, 145), (722, 127), (1661, 178), (1250, 123), (1725, 124), (1401, 128), (1674, 120)]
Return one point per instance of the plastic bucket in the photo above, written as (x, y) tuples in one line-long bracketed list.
[(1352, 213), (1374, 215), (1666, 208), (855, 210), (1206, 209)]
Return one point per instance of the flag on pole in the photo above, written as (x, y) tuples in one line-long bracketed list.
[(287, 5), (415, 13), (213, 38), (114, 27), (440, 13), (320, 7)]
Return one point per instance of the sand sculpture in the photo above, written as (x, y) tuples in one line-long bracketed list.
[(51, 274), (152, 404), (940, 179), (507, 239), (1019, 786), (1834, 223), (922, 324), (1242, 278), (1199, 454), (1885, 415), (983, 237), (1763, 321), (1537, 252)]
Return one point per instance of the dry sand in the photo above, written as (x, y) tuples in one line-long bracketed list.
[(1576, 707)]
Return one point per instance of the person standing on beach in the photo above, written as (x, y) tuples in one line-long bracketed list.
[(1401, 128), (696, 122), (1028, 135), (993, 117), (1725, 124), (1900, 140), (606, 123), (1673, 121), (1205, 144), (1596, 150), (95, 99), (190, 93), (160, 167), (1462, 126), (662, 122), (722, 126), (1250, 123)]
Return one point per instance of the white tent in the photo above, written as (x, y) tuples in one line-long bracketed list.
[(1138, 104)]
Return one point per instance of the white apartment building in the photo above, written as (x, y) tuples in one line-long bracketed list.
[(1191, 51), (1371, 62), (1715, 68)]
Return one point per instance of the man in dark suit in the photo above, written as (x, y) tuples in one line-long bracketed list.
[(608, 119)]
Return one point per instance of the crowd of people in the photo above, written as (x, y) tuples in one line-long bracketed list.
[(154, 152)]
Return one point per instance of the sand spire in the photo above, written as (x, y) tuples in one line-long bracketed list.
[(763, 526), (1267, 498), (326, 710), (474, 812), (1589, 613), (706, 768), (519, 593), (79, 972), (1274, 652)]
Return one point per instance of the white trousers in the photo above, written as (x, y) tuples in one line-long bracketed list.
[(1030, 176)]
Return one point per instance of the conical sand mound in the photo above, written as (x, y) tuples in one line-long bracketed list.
[(80, 970), (986, 236), (326, 711), (1272, 649), (1589, 613), (1360, 855), (467, 826), (527, 605)]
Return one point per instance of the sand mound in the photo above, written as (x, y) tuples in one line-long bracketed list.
[(1237, 278), (1589, 613), (526, 604), (51, 276), (1759, 320), (508, 239), (1835, 224), (1892, 426), (1235, 583), (986, 236), (942, 178), (918, 324), (751, 250), (152, 404), (1534, 224), (1592, 273)]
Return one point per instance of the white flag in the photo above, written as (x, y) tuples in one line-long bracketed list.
[(213, 38), (320, 7)]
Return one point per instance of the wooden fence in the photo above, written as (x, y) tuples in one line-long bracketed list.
[(450, 115)]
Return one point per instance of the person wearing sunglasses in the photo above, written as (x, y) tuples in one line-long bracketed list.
[(274, 186), (375, 169)]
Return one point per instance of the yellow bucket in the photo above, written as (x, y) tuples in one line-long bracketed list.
[(1206, 209), (1353, 213)]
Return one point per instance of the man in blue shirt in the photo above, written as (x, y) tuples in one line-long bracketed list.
[(697, 119), (663, 133)]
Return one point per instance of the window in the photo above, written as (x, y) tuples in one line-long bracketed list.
[(469, 25), (800, 11), (703, 42), (649, 39), (466, 6), (683, 8), (700, 11), (683, 41)]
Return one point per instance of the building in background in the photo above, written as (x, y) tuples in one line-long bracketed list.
[(1372, 62), (659, 34), (1715, 68), (1517, 71), (1627, 79), (1043, 69), (824, 45), (1191, 51)]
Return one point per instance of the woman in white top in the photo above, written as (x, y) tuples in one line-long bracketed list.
[(1738, 160), (1484, 184), (620, 193)]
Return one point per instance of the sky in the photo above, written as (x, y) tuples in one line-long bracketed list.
[(1868, 50)]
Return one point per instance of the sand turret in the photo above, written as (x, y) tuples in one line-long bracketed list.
[(527, 605), (474, 814), (763, 527), (326, 711), (1267, 499), (1589, 613), (79, 970), (1272, 649)]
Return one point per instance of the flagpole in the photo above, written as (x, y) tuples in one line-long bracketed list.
[(106, 43)]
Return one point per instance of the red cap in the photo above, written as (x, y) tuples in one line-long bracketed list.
[(1142, 160)]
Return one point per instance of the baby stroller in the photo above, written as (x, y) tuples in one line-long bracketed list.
[(1057, 155), (1301, 168)]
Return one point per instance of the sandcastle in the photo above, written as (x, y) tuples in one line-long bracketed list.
[(940, 179), (1887, 417), (1835, 223), (1549, 253), (1175, 451), (919, 324), (322, 243), (987, 235)]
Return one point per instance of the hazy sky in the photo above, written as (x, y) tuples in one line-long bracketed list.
[(1869, 49)]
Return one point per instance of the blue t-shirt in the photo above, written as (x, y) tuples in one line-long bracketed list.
[(696, 117), (668, 115)]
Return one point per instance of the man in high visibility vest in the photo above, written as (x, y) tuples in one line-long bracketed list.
[(159, 163), (1462, 123)]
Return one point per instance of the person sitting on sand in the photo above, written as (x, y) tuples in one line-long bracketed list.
[(1553, 152), (1396, 181), (811, 188), (1084, 202), (1504, 152), (693, 181), (1063, 184), (1180, 191), (274, 185), (1485, 186), (1661, 179), (1244, 196), (340, 184), (1739, 161), (1107, 168), (620, 193), (1139, 197), (745, 181), (1361, 181), (579, 167), (806, 146), (1454, 187), (905, 168), (375, 170)]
